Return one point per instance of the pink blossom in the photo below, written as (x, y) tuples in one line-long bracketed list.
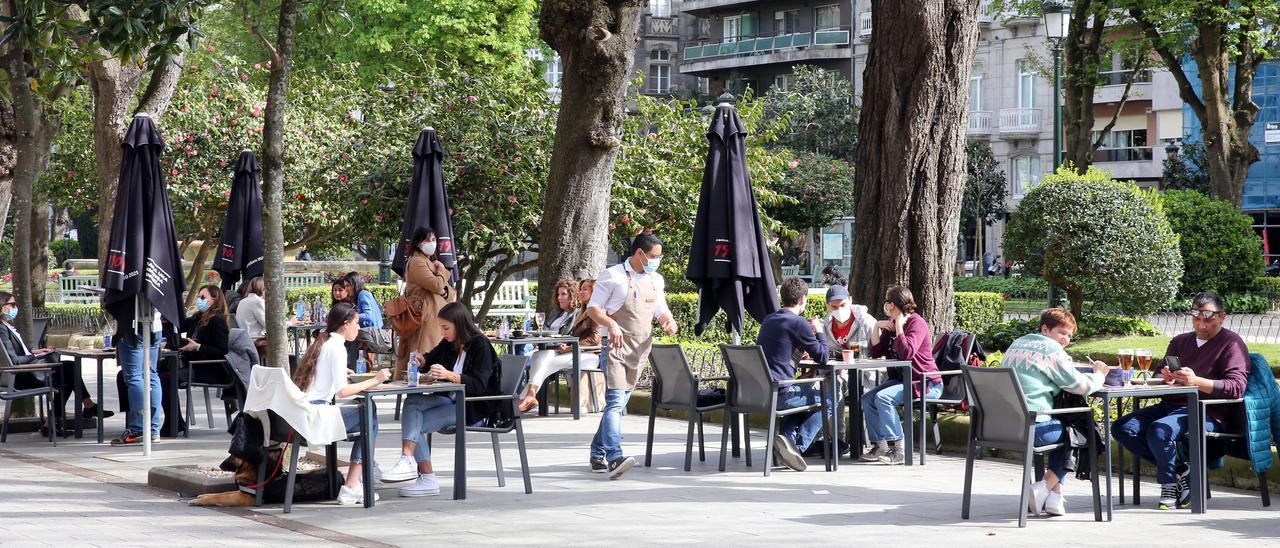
[(342, 178), (216, 118), (364, 202), (235, 122), (793, 164), (185, 108), (244, 77), (227, 193), (471, 98), (173, 172), (222, 163), (217, 65), (377, 218), (257, 66), (512, 199), (462, 171), (204, 187), (211, 49)]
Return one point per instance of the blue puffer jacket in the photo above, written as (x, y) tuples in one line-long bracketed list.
[(1262, 410)]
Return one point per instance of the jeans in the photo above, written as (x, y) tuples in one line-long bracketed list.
[(880, 409), (421, 414), (129, 354), (608, 440), (351, 419), (802, 428), (1152, 433), (1048, 433)]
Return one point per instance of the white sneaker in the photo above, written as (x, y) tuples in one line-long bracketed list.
[(1056, 504), (426, 486), (377, 474), (405, 469), (1039, 494), (354, 495)]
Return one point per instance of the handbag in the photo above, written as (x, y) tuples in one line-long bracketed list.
[(404, 319), (376, 340)]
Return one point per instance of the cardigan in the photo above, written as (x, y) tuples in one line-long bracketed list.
[(481, 374)]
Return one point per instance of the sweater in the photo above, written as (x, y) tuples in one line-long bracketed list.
[(1044, 369), (782, 334), (252, 316), (1223, 359), (914, 344)]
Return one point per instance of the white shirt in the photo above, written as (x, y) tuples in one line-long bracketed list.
[(613, 285), (457, 365), (331, 370), (251, 315)]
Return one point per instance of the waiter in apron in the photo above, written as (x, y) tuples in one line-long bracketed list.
[(628, 298)]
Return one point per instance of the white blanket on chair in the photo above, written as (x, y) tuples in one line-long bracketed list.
[(271, 389)]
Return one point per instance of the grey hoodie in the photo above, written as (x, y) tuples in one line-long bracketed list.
[(863, 321)]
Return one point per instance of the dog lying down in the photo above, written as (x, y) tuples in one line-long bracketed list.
[(308, 487)]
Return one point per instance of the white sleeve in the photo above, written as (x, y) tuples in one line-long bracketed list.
[(603, 292), (661, 307)]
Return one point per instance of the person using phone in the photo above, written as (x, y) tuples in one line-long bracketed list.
[(1044, 369), (1211, 358)]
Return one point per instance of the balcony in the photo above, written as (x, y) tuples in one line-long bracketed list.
[(710, 55), (986, 14), (1019, 123), (864, 26), (660, 26), (692, 7), (979, 123), (1021, 19)]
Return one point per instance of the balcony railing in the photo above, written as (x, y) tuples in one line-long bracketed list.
[(660, 26), (980, 122), (1122, 76), (864, 24), (1020, 120), (762, 44), (1129, 154), (986, 14)]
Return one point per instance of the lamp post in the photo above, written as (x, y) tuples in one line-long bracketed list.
[(1057, 18)]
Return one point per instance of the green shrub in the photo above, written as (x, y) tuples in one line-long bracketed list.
[(1094, 325), (58, 251), (1220, 250), (978, 312), (1013, 288), (1269, 288), (1246, 303)]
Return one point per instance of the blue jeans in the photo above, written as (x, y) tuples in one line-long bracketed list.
[(129, 355), (608, 440), (802, 428), (1048, 433), (351, 419), (422, 414), (1152, 433), (880, 409)]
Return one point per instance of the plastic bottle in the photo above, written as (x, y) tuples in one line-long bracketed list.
[(301, 310), (412, 379), (361, 366), (504, 331)]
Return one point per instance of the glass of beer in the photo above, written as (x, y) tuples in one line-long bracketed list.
[(856, 347), (1143, 356), (1126, 361)]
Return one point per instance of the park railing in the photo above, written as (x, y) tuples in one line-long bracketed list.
[(1253, 328)]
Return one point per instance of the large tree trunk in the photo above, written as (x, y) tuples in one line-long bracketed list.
[(26, 139), (39, 253), (596, 42), (6, 196), (273, 179), (911, 153)]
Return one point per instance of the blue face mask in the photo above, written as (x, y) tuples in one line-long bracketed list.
[(652, 265), (202, 305), (11, 314)]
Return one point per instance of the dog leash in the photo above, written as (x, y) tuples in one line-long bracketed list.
[(252, 489)]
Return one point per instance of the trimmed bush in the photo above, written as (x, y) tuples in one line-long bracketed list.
[(978, 312), (1269, 288), (1011, 288), (1220, 250), (1003, 335)]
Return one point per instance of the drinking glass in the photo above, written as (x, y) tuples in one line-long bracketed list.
[(1143, 356), (1126, 358), (540, 318)]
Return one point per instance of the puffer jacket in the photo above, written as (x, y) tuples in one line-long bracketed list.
[(1262, 411)]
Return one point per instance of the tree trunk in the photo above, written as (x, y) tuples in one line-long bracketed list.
[(6, 196), (61, 224), (273, 178), (26, 139), (596, 41), (911, 154), (39, 253), (1079, 79)]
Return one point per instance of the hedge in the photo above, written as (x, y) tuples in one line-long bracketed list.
[(1013, 288), (979, 312), (1094, 325), (1269, 287)]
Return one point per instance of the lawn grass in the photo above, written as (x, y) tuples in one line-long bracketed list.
[(1105, 349)]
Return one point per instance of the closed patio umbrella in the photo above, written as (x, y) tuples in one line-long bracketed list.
[(143, 272), (428, 205), (729, 259), (240, 251)]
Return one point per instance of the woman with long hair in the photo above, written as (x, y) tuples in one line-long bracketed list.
[(904, 336), (322, 376), (466, 357), (427, 290), (207, 336), (570, 296)]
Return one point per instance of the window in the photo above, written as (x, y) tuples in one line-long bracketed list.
[(555, 71), (1123, 146), (660, 8), (827, 17), (975, 89), (659, 55), (786, 22), (704, 86), (1026, 174), (784, 82), (1026, 85), (732, 28), (659, 78)]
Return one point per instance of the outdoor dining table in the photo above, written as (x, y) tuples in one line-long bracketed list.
[(301, 330), (574, 381), (1195, 436), (854, 403), (399, 388), (98, 355)]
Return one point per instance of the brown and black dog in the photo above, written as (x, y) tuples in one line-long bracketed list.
[(246, 474), (308, 487)]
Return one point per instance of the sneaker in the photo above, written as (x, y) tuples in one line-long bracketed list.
[(619, 466), (128, 438), (873, 455), (426, 486), (1168, 496), (599, 465), (785, 453), (1184, 488), (377, 475), (1056, 504), (405, 469), (354, 495), (895, 456), (1039, 494)]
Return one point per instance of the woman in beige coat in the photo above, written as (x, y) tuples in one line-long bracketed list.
[(427, 289)]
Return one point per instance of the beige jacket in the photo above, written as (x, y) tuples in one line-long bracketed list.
[(427, 289)]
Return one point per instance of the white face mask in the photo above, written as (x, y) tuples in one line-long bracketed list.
[(842, 314), (427, 248)]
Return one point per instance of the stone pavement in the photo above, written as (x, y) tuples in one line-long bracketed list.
[(81, 493)]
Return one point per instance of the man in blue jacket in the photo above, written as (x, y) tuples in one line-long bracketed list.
[(785, 335)]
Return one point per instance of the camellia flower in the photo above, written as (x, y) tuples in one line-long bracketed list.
[(792, 164), (244, 77), (512, 199), (204, 187)]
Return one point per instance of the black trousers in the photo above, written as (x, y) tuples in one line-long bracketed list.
[(64, 380), (167, 378)]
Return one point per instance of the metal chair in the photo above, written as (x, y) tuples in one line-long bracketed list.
[(281, 431), (999, 419), (514, 367), (675, 386), (211, 379), (45, 396), (753, 390)]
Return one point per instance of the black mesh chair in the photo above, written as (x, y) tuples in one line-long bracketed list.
[(753, 390), (513, 373), (999, 419), (44, 395), (206, 374), (675, 386), (280, 432)]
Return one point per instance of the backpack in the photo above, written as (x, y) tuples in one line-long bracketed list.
[(955, 349)]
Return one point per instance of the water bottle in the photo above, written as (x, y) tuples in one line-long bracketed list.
[(362, 366), (504, 331), (106, 341), (301, 310), (324, 313), (412, 379), (525, 326)]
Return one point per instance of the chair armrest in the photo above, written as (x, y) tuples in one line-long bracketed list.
[(470, 399), (1207, 403), (206, 362), (1064, 411), (710, 379), (813, 380), (950, 373)]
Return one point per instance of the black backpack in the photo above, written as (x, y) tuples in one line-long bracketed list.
[(955, 349)]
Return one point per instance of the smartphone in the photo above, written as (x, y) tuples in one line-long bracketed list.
[(1173, 363)]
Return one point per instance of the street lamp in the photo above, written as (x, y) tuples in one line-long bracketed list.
[(1057, 19)]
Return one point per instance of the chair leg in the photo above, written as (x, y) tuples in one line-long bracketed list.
[(262, 478), (724, 436), (331, 469), (702, 442), (1093, 478), (399, 399), (524, 457), (746, 437), (648, 444), (688, 444), (497, 460), (208, 407), (1038, 460), (4, 428), (1025, 486), (1265, 489), (293, 476), (191, 414), (48, 400), (595, 400), (924, 428), (768, 443), (937, 432), (969, 452)]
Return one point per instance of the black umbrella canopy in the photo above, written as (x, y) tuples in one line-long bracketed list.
[(142, 257), (428, 205), (240, 252), (729, 259)]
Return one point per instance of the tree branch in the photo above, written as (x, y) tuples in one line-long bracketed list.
[(1171, 61), (271, 48), (164, 79)]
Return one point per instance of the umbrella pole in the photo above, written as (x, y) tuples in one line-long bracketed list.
[(143, 318), (737, 338)]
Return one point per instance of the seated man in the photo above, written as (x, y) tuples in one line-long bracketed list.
[(783, 334), (1216, 361)]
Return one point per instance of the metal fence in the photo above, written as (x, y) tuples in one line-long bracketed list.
[(705, 362), (1253, 328)]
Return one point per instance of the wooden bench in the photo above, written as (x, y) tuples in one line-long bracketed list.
[(72, 289), (299, 280), (513, 299)]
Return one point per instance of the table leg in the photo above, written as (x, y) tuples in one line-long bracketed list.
[(908, 408), (577, 376), (1106, 442), (855, 417), (79, 404), (296, 350), (1120, 413), (460, 447), (100, 418), (366, 423), (830, 426), (1196, 435)]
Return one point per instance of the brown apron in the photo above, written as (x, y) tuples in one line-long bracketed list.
[(635, 318)]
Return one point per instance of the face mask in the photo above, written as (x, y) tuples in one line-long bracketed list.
[(428, 248), (12, 313), (202, 305), (652, 266), (842, 314)]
